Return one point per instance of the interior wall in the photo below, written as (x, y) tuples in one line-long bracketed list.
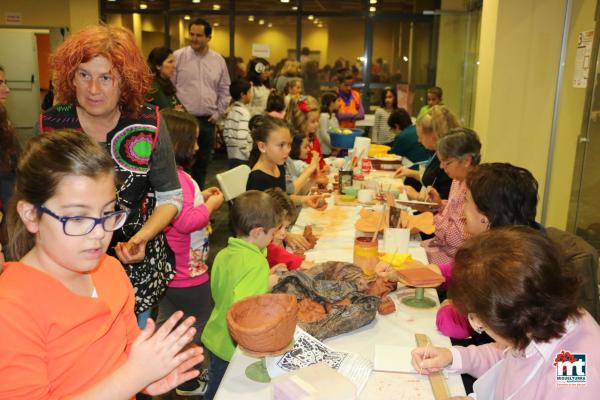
[(54, 13), (569, 119), (82, 13), (450, 59), (519, 58)]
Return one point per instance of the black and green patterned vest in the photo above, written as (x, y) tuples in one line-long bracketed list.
[(130, 144)]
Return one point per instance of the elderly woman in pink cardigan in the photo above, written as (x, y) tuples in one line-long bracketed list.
[(512, 284)]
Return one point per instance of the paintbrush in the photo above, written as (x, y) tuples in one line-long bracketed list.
[(379, 225)]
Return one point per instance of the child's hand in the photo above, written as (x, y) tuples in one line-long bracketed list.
[(214, 202), (316, 201), (211, 191), (132, 251), (297, 241), (279, 268), (306, 264), (156, 359), (1, 257), (314, 161), (428, 359)]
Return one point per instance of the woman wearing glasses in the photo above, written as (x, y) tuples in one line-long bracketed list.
[(101, 80), (458, 152), (513, 284)]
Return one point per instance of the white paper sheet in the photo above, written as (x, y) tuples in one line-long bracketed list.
[(393, 359)]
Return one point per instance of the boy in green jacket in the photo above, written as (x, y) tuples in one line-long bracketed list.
[(239, 270)]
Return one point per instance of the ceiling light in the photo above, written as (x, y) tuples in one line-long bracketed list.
[(270, 25), (372, 9), (294, 8), (320, 25), (143, 6), (216, 7), (112, 1), (311, 17), (261, 21), (195, 1), (216, 24), (372, 1), (187, 17), (251, 18), (315, 21), (285, 1), (405, 58)]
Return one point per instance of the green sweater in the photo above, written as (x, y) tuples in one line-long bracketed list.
[(239, 270)]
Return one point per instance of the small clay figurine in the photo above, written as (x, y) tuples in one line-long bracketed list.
[(309, 236), (386, 306), (381, 287)]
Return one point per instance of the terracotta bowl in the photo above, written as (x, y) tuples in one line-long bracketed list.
[(263, 323)]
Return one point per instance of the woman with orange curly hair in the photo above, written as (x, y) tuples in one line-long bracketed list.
[(101, 79)]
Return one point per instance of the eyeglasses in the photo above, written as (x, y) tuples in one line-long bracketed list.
[(447, 162), (79, 226)]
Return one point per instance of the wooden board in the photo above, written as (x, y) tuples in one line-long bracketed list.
[(436, 379)]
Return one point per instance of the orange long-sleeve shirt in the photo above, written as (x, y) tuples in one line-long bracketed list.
[(54, 343)]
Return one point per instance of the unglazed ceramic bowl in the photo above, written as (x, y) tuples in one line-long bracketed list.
[(263, 323)]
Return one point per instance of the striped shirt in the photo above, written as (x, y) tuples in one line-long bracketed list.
[(236, 133), (381, 129)]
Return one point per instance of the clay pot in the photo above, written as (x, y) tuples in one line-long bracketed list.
[(263, 323)]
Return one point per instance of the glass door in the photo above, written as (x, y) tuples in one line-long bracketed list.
[(584, 211)]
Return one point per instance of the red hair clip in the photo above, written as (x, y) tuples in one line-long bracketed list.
[(303, 105)]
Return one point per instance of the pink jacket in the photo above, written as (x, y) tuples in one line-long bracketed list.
[(582, 338), (448, 320), (190, 267)]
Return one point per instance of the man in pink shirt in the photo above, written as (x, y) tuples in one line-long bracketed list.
[(202, 82)]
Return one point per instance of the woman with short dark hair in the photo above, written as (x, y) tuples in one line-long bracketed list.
[(513, 284)]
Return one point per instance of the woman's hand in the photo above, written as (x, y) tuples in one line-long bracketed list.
[(429, 359), (386, 271), (433, 196), (407, 172), (156, 358), (316, 201), (133, 251), (296, 241), (411, 193)]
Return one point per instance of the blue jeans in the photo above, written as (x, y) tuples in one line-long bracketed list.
[(216, 371)]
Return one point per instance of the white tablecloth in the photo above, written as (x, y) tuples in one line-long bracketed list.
[(335, 226)]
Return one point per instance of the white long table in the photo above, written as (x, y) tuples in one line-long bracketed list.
[(335, 226)]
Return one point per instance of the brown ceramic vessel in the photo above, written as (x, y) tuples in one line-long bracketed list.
[(263, 323)]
